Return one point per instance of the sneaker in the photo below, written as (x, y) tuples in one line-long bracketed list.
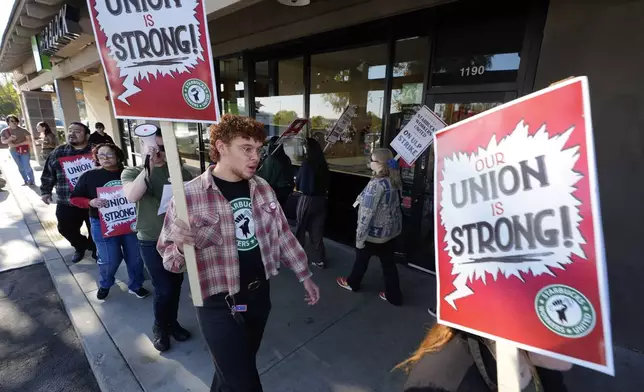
[(342, 282), (432, 312), (382, 296), (102, 293), (319, 264), (160, 339), (78, 256), (179, 333), (140, 292)]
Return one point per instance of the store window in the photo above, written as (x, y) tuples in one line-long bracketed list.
[(355, 77), (231, 86), (187, 136), (279, 93), (408, 78)]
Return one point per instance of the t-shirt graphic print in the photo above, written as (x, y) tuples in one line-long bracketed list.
[(244, 224)]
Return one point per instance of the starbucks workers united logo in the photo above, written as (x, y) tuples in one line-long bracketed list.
[(196, 94), (244, 224), (565, 311)]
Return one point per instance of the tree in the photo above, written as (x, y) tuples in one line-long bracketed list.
[(284, 117), (319, 122), (9, 101)]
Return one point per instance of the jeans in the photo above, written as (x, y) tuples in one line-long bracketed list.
[(234, 347), (110, 253), (385, 253), (311, 214), (167, 285), (70, 219), (22, 161)]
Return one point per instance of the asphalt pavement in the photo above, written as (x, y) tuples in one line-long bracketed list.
[(39, 349)]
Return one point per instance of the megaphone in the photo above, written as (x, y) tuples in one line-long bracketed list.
[(147, 138)]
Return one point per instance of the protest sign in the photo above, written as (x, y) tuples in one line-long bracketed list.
[(119, 217), (294, 128), (74, 166), (341, 125), (519, 244), (156, 55), (417, 135)]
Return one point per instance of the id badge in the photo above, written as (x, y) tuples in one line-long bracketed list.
[(240, 308)]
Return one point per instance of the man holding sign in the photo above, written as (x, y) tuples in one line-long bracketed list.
[(63, 168), (108, 210)]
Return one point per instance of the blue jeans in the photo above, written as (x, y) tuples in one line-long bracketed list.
[(167, 285), (110, 253), (22, 160)]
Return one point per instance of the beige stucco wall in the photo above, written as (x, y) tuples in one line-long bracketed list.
[(98, 105)]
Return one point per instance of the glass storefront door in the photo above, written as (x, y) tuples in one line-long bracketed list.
[(452, 108)]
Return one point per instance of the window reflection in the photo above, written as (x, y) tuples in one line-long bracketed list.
[(279, 93), (187, 136), (231, 86), (357, 77)]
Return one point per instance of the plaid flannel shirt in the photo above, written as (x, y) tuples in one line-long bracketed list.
[(52, 174), (215, 243)]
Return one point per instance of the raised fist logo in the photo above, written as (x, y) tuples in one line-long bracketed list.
[(243, 226), (561, 308)]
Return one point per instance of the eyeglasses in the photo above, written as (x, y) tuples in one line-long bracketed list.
[(250, 151), (106, 156), (13, 121)]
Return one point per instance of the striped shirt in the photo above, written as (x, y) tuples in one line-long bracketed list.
[(216, 244)]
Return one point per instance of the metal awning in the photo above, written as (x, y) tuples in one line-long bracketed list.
[(28, 18)]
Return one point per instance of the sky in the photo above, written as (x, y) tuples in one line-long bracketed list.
[(5, 11)]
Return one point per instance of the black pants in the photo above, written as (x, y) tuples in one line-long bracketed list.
[(233, 346), (385, 253), (70, 221), (311, 213), (167, 285), (282, 195)]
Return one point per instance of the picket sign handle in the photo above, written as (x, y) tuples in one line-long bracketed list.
[(397, 157), (508, 367), (181, 207)]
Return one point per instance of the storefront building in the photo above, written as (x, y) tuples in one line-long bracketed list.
[(276, 63)]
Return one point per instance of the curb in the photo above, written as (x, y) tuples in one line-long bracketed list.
[(110, 369)]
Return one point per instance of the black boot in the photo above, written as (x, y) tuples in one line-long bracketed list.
[(161, 338), (78, 255), (179, 333)]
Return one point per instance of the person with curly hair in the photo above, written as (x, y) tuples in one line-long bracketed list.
[(240, 236), (111, 250)]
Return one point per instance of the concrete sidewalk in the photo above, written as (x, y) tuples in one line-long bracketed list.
[(346, 343)]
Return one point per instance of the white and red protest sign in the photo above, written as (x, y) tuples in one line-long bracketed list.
[(119, 217), (519, 244), (294, 128), (156, 55), (74, 166), (417, 135)]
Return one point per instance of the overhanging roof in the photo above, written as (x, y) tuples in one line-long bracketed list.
[(28, 18)]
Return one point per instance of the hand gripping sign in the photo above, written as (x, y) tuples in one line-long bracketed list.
[(519, 246), (156, 55)]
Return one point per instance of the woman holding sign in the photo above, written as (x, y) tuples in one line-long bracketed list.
[(379, 223), (110, 220)]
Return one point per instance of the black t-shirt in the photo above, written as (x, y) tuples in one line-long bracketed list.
[(96, 138), (251, 267), (96, 178)]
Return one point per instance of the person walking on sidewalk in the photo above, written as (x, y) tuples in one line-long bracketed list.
[(277, 170), (49, 140), (313, 181), (111, 250), (19, 141), (144, 186), (379, 222), (99, 136), (63, 168), (240, 235)]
